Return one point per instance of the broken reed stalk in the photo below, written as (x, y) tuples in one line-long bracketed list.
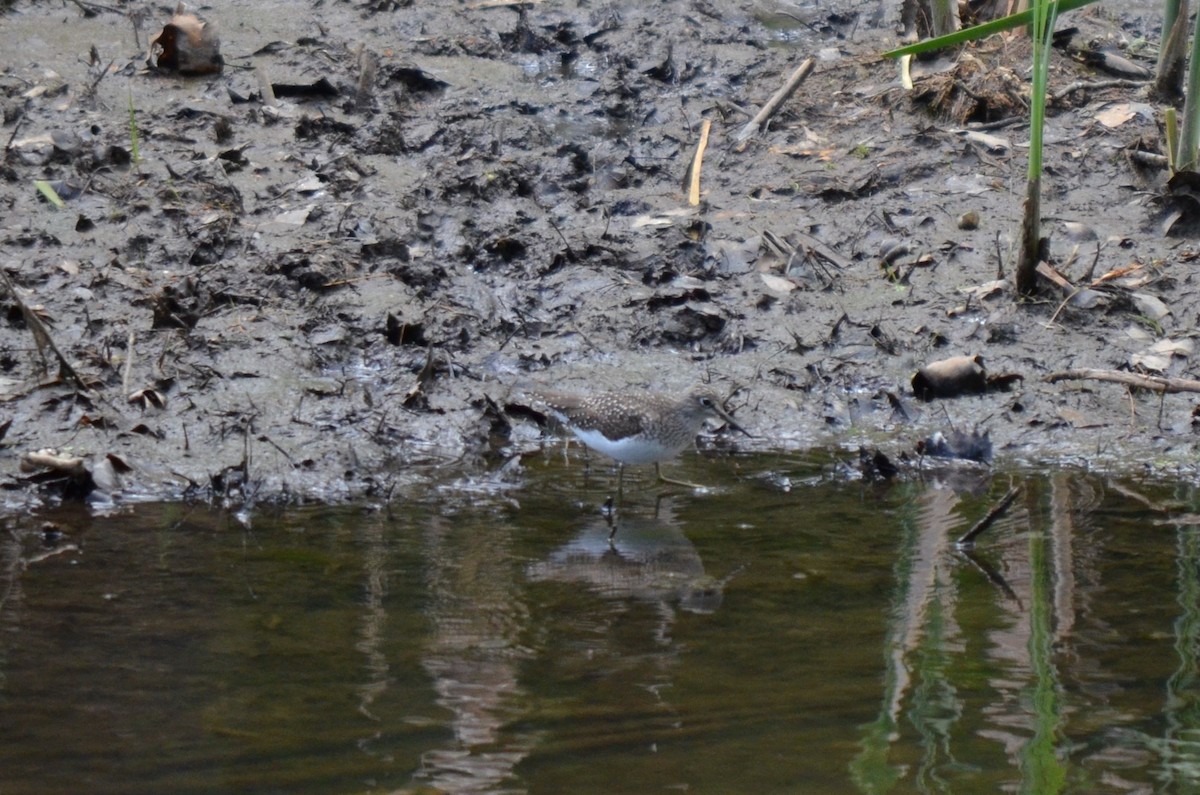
[(41, 336), (776, 101), (1172, 53), (1171, 136), (697, 162), (967, 539), (368, 64), (1029, 255)]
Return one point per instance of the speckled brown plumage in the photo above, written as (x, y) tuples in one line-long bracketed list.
[(635, 427)]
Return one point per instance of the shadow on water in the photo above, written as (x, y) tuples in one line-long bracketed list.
[(754, 637)]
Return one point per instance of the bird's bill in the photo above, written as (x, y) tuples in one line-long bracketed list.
[(730, 422)]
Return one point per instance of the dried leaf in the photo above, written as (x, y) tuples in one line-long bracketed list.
[(1116, 114), (986, 290), (777, 283), (994, 143), (1149, 361), (1150, 306), (1182, 348)]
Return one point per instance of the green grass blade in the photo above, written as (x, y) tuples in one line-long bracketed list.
[(47, 190), (1044, 15), (986, 29), (134, 153), (1189, 146), (1171, 133)]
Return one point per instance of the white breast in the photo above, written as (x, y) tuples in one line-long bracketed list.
[(631, 450)]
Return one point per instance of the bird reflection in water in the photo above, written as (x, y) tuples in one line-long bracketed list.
[(650, 560)]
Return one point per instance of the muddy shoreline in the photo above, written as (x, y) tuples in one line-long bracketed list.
[(331, 297)]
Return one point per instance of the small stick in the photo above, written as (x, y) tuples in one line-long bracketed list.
[(265, 89), (989, 571), (776, 101), (1091, 272), (90, 9), (694, 187), (128, 365), (16, 128), (1083, 85), (501, 3), (1156, 383), (967, 540), (91, 90)]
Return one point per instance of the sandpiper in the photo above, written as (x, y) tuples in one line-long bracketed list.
[(636, 427)]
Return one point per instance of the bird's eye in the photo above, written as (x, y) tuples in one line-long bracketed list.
[(706, 402)]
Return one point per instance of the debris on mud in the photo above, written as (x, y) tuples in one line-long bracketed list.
[(309, 269), (186, 45)]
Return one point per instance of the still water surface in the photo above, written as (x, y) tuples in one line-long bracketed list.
[(785, 632)]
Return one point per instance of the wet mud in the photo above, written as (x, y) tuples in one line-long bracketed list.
[(330, 293)]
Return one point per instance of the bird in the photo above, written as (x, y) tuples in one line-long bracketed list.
[(633, 427)]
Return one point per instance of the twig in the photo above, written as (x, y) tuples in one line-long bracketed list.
[(999, 259), (776, 101), (272, 442), (967, 540), (697, 161), (1143, 500), (998, 124), (91, 90), (563, 238), (989, 571), (38, 558), (91, 9), (823, 251), (1155, 383), (1083, 85), (1091, 272), (16, 128), (501, 3)]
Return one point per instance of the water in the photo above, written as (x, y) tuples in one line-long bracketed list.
[(820, 638)]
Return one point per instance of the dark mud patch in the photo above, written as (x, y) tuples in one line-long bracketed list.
[(329, 295)]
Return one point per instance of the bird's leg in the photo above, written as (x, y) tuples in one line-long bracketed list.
[(611, 513), (664, 479)]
